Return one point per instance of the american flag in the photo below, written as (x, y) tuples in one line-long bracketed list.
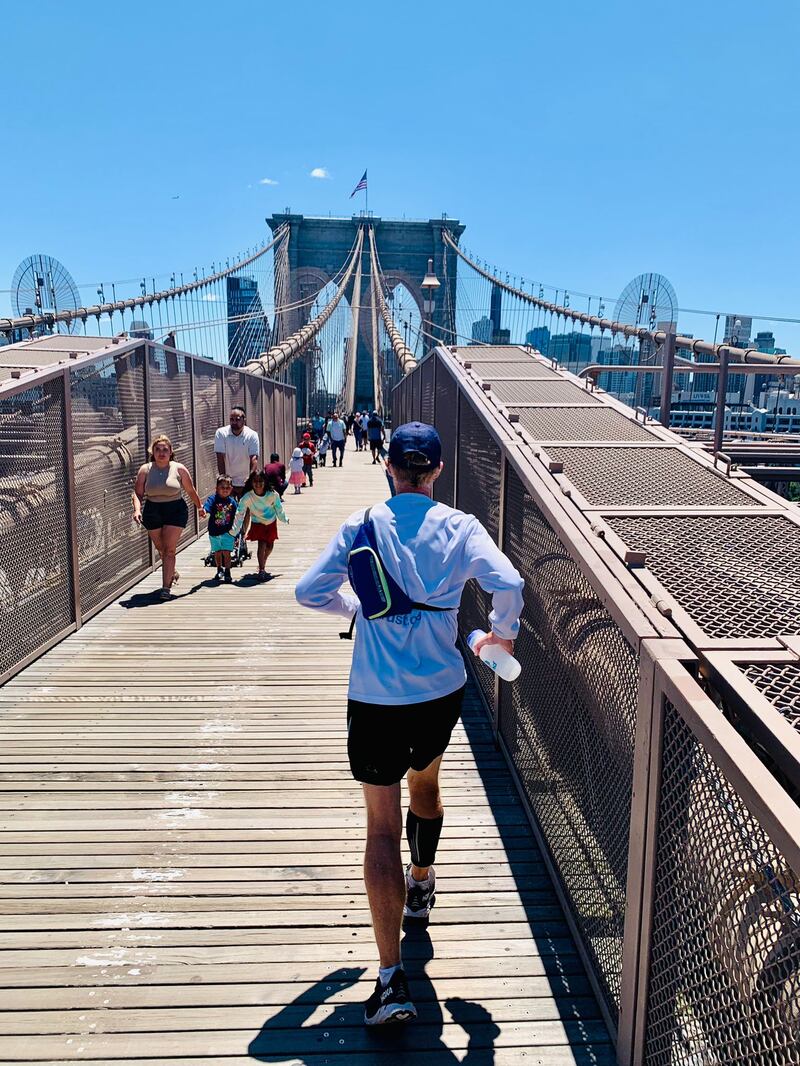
[(361, 185)]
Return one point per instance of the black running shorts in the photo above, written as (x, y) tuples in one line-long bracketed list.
[(169, 513), (383, 742)]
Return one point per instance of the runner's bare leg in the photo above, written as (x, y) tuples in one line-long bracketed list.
[(383, 869)]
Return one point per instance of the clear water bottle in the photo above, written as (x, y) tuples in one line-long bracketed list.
[(495, 657)]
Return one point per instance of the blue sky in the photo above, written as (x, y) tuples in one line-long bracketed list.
[(581, 143)]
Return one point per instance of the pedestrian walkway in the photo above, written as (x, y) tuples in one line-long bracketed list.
[(181, 846)]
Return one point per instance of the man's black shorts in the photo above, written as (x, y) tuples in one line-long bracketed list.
[(383, 742)]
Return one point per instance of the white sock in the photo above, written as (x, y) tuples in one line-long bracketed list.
[(424, 881), (386, 973)]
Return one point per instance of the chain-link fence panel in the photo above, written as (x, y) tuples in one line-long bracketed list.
[(170, 412), (36, 592), (479, 494), (208, 417), (427, 372), (580, 423), (528, 371), (109, 433), (568, 723), (255, 414), (540, 392), (415, 390), (398, 408), (725, 942), (736, 575), (638, 476), (446, 422), (478, 469), (234, 390), (780, 683), (270, 444), (484, 353)]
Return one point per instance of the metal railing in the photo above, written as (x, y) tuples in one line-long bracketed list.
[(654, 733), (72, 438)]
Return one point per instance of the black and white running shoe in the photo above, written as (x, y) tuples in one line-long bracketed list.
[(390, 1003), (420, 896)]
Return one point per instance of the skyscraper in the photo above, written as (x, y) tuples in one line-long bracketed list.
[(737, 334), (495, 311), (482, 330), (539, 338), (248, 326)]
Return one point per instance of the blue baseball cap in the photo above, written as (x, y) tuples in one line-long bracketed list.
[(415, 446)]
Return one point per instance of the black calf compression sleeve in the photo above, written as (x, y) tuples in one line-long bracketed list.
[(423, 838)]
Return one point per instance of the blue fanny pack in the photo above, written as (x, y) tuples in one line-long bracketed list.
[(376, 590)]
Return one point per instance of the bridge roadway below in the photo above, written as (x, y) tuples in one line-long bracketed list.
[(180, 876)]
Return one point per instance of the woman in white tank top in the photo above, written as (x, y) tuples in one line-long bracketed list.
[(159, 506)]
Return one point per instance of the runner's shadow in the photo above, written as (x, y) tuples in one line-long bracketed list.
[(287, 1036)]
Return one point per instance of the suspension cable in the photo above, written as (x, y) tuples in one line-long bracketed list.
[(30, 322), (739, 355), (405, 356), (281, 354)]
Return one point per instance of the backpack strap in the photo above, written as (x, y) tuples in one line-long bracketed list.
[(348, 635), (415, 604)]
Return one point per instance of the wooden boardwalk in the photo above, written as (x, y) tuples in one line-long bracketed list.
[(181, 845)]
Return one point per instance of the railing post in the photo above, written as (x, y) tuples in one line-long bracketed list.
[(501, 535), (195, 464), (70, 498), (147, 427), (667, 378), (722, 391)]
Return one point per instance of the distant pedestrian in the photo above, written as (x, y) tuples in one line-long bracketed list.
[(158, 505), (275, 472), (375, 435), (309, 455), (358, 431), (297, 476), (337, 433), (236, 447), (265, 507), (221, 507), (324, 444)]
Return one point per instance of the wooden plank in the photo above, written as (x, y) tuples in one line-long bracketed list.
[(181, 846)]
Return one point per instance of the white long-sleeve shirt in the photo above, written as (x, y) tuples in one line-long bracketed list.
[(431, 551)]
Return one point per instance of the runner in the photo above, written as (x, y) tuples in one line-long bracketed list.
[(159, 487), (407, 677), (337, 433)]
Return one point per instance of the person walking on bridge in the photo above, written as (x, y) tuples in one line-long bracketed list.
[(236, 447), (407, 676), (337, 431), (375, 435), (159, 506)]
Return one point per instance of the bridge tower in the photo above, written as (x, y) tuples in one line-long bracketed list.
[(319, 247)]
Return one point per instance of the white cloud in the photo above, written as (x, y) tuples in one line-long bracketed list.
[(267, 181), (209, 297), (319, 172)]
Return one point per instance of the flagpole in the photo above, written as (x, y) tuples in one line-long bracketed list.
[(366, 197)]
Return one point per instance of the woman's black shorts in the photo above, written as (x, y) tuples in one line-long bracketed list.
[(384, 742), (169, 513)]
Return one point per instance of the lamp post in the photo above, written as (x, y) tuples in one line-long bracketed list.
[(430, 283)]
